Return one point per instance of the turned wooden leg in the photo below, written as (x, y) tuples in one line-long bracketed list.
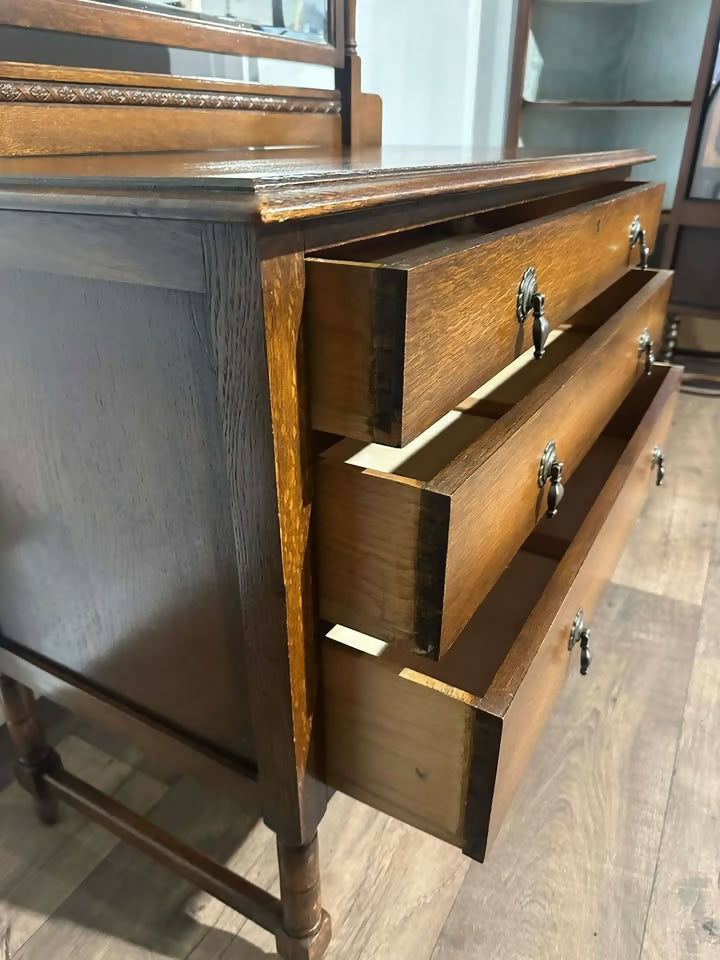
[(34, 758), (306, 927)]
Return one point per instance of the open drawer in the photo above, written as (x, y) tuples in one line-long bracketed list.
[(404, 326), (410, 541), (443, 746)]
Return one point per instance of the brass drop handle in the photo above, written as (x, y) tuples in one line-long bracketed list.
[(658, 462), (646, 346), (551, 469), (581, 634), (529, 298), (637, 235)]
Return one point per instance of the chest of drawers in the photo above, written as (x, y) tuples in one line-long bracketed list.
[(313, 469)]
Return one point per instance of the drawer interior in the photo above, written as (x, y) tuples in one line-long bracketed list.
[(449, 438), (501, 616), (420, 244), (443, 745)]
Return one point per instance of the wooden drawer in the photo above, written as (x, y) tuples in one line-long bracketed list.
[(443, 746), (404, 326), (410, 541)]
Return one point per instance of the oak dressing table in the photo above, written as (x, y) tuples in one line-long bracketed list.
[(315, 462)]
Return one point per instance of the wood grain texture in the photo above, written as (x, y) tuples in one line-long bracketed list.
[(295, 185), (29, 890), (256, 307), (452, 295), (410, 561), (32, 129), (162, 743), (118, 561), (684, 914), (172, 29), (571, 872), (444, 746), (157, 253), (283, 288), (678, 530)]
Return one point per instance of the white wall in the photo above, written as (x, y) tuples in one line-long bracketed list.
[(441, 66)]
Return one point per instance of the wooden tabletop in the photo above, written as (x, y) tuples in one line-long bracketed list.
[(282, 184)]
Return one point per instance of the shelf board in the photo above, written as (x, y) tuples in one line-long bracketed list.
[(606, 104)]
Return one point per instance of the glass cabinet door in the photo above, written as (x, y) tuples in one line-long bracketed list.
[(706, 177)]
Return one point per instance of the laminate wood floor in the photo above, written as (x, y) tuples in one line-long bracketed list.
[(611, 850)]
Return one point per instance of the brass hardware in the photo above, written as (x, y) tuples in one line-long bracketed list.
[(529, 298), (581, 634), (658, 462), (551, 469), (645, 345), (637, 235)]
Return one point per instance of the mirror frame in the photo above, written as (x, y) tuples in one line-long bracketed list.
[(97, 19)]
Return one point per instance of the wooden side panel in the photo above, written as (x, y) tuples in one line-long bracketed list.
[(497, 505), (526, 687), (115, 545), (394, 743), (33, 129)]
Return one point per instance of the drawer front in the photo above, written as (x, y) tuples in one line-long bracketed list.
[(397, 340), (409, 562), (447, 756)]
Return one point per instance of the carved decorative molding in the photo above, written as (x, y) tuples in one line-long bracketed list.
[(13, 91)]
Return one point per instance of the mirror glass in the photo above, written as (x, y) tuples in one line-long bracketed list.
[(706, 180), (296, 19)]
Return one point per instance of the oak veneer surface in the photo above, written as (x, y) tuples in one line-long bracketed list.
[(117, 555), (406, 553), (287, 184)]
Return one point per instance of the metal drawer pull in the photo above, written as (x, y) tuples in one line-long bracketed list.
[(581, 634), (637, 235), (529, 298), (645, 345), (551, 469), (658, 462)]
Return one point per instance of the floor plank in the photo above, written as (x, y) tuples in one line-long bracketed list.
[(684, 917), (669, 552), (571, 873), (40, 867)]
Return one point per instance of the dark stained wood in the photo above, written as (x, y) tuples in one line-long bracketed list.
[(118, 558), (252, 901), (407, 553), (306, 928), (161, 253), (32, 129), (34, 758), (97, 19), (443, 746), (376, 310), (308, 183), (254, 307)]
